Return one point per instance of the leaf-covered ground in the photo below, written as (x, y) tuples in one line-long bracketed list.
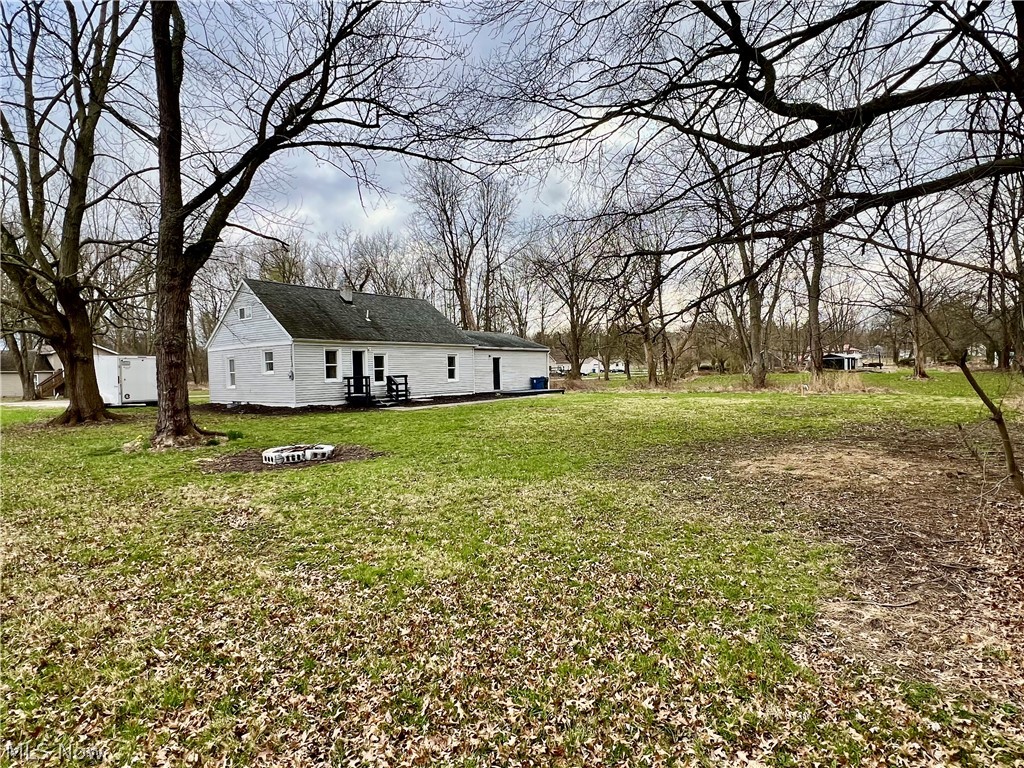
[(625, 578)]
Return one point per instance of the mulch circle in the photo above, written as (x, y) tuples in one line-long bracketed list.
[(251, 460)]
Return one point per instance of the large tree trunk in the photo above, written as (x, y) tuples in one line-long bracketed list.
[(814, 305), (76, 352), (575, 353), (174, 425), (650, 357), (758, 374), (465, 301), (918, 345), (652, 360)]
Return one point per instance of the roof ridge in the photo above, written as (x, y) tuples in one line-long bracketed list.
[(321, 288)]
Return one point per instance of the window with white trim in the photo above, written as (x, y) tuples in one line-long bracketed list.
[(268, 361), (244, 313), (453, 367), (379, 368), (231, 373), (330, 364)]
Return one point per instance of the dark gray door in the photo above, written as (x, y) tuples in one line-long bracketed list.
[(496, 366), (357, 371)]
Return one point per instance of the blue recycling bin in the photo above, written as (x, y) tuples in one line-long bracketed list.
[(538, 382)]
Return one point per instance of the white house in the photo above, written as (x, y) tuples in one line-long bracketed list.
[(293, 345), (591, 365)]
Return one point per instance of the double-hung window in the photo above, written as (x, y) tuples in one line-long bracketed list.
[(268, 361), (453, 367), (330, 364), (231, 372), (379, 368)]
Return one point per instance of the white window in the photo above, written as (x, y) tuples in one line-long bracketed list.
[(379, 368), (244, 313), (231, 373), (268, 362), (330, 363), (453, 367)]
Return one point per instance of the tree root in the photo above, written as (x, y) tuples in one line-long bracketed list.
[(72, 417), (188, 437)]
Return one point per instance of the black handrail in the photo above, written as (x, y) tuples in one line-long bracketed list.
[(398, 387), (357, 387)]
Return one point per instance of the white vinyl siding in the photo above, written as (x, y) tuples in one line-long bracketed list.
[(245, 340), (258, 329), (314, 364), (424, 364), (518, 366), (251, 382)]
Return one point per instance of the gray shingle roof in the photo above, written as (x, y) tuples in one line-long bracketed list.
[(321, 314), (501, 340), (37, 363)]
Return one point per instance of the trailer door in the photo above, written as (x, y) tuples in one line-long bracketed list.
[(138, 380)]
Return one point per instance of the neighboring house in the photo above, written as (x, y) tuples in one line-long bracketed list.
[(591, 365), (10, 381), (47, 371), (293, 345), (558, 365)]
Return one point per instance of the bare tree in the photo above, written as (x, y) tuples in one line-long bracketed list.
[(463, 223), (62, 67), (917, 240), (572, 268), (758, 81), (344, 80)]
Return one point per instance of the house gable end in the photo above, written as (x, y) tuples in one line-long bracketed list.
[(259, 327)]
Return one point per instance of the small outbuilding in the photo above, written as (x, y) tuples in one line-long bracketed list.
[(296, 345), (840, 361)]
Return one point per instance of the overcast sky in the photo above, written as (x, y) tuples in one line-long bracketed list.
[(321, 199)]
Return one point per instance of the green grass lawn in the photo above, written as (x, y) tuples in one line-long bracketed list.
[(551, 581)]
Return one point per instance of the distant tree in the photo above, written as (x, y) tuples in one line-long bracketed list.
[(573, 270), (463, 223)]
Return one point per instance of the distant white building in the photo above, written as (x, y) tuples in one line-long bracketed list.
[(591, 365)]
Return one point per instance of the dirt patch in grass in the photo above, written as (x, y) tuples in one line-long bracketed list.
[(934, 577), (831, 466), (251, 460)]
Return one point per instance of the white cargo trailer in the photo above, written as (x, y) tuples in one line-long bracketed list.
[(126, 380)]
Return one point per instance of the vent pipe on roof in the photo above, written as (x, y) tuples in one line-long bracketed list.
[(367, 315), (345, 291)]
